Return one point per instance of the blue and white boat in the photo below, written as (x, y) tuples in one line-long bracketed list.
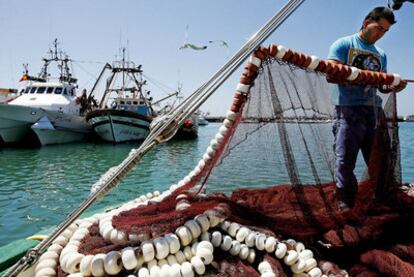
[(125, 110)]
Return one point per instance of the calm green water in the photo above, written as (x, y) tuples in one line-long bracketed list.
[(39, 187)]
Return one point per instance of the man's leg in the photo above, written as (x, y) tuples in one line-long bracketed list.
[(376, 150), (348, 134)]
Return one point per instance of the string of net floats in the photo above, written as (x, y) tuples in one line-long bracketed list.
[(273, 155)]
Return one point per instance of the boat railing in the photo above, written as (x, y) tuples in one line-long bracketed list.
[(123, 64)]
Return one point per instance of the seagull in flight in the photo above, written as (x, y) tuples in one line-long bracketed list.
[(186, 44), (192, 46), (396, 5), (222, 42)]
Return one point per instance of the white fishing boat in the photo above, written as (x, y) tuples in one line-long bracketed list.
[(50, 108), (125, 110), (189, 128), (409, 118), (202, 120)]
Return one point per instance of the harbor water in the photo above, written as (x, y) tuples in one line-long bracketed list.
[(39, 187)]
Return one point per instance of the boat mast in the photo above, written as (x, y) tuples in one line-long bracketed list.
[(123, 72), (62, 60)]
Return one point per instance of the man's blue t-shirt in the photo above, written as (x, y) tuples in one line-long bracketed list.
[(352, 50)]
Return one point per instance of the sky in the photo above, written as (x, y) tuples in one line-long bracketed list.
[(93, 31)]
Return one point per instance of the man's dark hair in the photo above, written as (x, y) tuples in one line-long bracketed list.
[(381, 12)]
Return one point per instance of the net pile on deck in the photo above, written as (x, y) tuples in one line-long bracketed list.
[(275, 149)]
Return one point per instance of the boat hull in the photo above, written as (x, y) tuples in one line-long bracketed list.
[(47, 134), (189, 130), (202, 121), (49, 137), (15, 121), (119, 126), (59, 128), (69, 122)]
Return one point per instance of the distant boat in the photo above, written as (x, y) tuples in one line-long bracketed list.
[(49, 108), (409, 118), (125, 111), (202, 121), (189, 129)]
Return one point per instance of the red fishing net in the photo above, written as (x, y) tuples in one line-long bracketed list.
[(275, 155)]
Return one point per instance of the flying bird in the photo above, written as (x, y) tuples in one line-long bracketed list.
[(396, 5), (186, 44), (222, 42), (192, 46)]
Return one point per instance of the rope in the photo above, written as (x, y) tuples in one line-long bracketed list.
[(166, 89)]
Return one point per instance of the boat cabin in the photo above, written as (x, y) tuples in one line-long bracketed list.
[(50, 89), (49, 95), (137, 105)]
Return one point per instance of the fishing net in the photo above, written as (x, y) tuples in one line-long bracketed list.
[(280, 218)]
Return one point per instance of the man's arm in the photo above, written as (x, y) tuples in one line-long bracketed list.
[(335, 80), (383, 89)]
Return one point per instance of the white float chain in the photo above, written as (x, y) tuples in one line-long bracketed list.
[(182, 264), (300, 259), (71, 261), (106, 229), (48, 261), (112, 263)]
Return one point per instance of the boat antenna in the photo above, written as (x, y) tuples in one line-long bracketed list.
[(128, 58), (123, 71), (164, 130), (55, 44), (26, 68)]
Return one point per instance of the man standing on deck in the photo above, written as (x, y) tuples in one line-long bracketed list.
[(357, 106)]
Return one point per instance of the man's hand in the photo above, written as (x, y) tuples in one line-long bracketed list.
[(402, 85), (388, 89)]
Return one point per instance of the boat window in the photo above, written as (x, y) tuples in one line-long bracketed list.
[(33, 89), (122, 102), (142, 102), (135, 103), (58, 90), (64, 91), (128, 102), (41, 90), (49, 90), (27, 90)]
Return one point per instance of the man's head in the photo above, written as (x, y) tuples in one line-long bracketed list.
[(376, 24)]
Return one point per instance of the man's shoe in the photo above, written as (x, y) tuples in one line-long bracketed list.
[(344, 201), (342, 206)]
